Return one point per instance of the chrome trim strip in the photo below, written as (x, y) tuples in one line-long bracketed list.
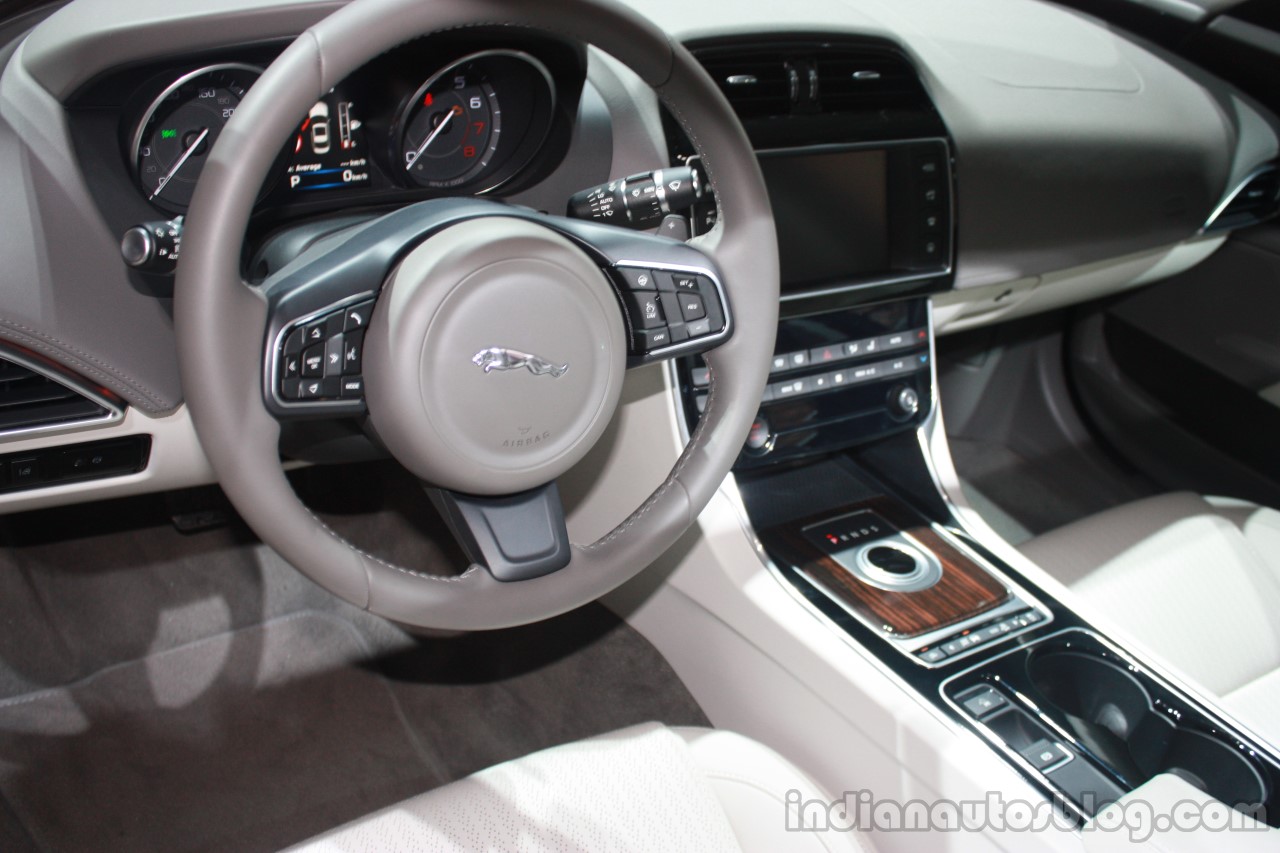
[(1231, 196)]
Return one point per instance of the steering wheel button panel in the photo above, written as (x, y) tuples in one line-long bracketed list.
[(638, 279), (357, 316), (333, 355), (651, 339), (316, 374), (313, 361), (352, 353), (645, 310), (691, 307), (685, 314)]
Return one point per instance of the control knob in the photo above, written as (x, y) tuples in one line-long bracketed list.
[(903, 402)]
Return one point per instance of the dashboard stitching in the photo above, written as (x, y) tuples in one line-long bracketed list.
[(694, 441), (53, 346), (363, 553)]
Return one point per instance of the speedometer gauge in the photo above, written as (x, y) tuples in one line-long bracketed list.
[(179, 129), (451, 133)]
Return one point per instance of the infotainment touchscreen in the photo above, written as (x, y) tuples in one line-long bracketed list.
[(831, 211)]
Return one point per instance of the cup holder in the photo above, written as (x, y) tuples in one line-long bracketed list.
[(1111, 714)]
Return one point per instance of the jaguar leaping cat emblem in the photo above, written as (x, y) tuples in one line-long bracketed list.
[(501, 358)]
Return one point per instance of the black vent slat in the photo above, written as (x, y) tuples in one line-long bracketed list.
[(851, 78), (769, 94), (30, 399), (34, 395), (854, 82)]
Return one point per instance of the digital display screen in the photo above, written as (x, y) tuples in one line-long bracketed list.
[(831, 212), (329, 150)]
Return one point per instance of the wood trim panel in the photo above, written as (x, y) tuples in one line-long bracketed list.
[(965, 589)]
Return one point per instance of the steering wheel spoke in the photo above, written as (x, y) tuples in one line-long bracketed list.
[(672, 293), (516, 537)]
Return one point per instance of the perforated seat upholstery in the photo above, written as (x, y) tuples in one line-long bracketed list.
[(646, 788), (1195, 579)]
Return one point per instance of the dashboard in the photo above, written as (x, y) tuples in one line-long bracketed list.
[(911, 152)]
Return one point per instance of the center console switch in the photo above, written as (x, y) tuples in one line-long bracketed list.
[(837, 379), (1075, 711)]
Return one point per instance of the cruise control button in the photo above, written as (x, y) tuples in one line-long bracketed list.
[(684, 282), (357, 316), (639, 279), (352, 352), (649, 340), (313, 361), (698, 327), (645, 311), (691, 307)]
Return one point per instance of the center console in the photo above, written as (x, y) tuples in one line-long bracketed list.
[(839, 487)]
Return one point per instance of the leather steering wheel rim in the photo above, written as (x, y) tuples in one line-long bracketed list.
[(220, 320)]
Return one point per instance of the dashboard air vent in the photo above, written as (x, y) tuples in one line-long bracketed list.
[(811, 77), (1257, 198), (756, 80), (853, 80), (32, 399)]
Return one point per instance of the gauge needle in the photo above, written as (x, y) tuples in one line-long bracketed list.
[(444, 122), (164, 182)]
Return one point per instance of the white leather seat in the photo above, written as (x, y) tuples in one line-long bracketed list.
[(645, 788), (1197, 580)]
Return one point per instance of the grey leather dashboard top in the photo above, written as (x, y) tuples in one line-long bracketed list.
[(1073, 145)]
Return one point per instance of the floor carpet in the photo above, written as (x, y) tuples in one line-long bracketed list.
[(191, 692)]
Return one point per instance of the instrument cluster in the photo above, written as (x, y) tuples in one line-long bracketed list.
[(438, 116)]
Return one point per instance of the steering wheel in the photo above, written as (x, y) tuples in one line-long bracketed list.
[(493, 340)]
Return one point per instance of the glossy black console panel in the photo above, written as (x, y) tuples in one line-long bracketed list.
[(839, 379), (1119, 723)]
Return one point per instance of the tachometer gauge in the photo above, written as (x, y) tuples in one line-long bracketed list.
[(179, 129), (451, 133)]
